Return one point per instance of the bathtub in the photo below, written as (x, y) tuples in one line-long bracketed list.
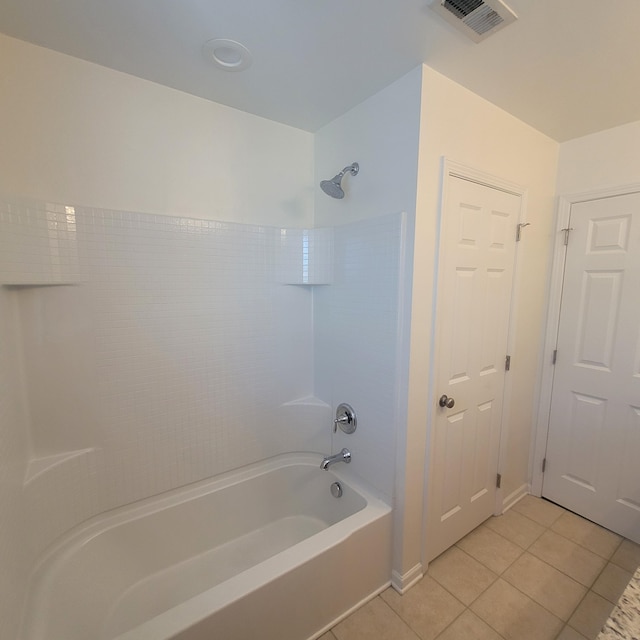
[(263, 552)]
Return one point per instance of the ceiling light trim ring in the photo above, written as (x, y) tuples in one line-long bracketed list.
[(226, 54)]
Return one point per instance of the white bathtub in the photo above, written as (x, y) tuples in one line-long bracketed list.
[(263, 552)]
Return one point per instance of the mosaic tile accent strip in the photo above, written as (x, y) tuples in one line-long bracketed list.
[(38, 244)]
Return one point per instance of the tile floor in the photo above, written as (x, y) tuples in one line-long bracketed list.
[(536, 573)]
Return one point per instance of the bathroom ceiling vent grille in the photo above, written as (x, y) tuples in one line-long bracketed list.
[(477, 19)]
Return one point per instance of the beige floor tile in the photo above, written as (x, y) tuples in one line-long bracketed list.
[(374, 620), (515, 616), (612, 582), (591, 615), (542, 511), (587, 534), (491, 549), (516, 527), (461, 575), (545, 585), (469, 627), (570, 634), (577, 562), (327, 636), (427, 608), (627, 556)]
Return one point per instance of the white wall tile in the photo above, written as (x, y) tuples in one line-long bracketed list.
[(306, 256), (170, 362), (179, 354), (357, 342), (38, 244)]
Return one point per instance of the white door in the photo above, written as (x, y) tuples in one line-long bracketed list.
[(593, 447), (477, 252)]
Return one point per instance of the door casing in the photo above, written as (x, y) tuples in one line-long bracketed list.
[(554, 297)]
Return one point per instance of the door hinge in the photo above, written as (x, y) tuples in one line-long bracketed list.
[(507, 363), (544, 465), (519, 229), (566, 230), (498, 480), (555, 356)]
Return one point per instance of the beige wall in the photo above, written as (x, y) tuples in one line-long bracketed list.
[(77, 133), (465, 128), (602, 160)]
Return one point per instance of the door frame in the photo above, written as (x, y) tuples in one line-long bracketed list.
[(452, 169), (554, 299)]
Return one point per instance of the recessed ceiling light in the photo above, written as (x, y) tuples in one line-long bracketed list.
[(227, 54)]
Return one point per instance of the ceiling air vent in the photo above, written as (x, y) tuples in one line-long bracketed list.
[(478, 19)]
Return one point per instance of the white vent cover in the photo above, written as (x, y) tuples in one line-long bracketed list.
[(477, 19)]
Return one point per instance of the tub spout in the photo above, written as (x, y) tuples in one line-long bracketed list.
[(343, 456)]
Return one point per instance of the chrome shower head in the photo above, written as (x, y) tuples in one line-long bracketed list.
[(333, 187)]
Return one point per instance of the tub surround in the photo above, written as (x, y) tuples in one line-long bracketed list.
[(161, 350)]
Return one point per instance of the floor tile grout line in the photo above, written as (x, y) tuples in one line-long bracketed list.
[(505, 537), (443, 631), (476, 615), (501, 536), (590, 590), (565, 623), (497, 576), (587, 548), (608, 560), (545, 528), (526, 550), (466, 606), (549, 528), (513, 541), (414, 631), (564, 573), (595, 524), (573, 612)]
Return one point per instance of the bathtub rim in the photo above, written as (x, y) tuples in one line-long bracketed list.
[(179, 618), (44, 572)]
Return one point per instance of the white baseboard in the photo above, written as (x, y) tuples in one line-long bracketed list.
[(402, 583), (516, 496)]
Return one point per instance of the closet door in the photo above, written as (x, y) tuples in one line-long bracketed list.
[(593, 448), (477, 254)]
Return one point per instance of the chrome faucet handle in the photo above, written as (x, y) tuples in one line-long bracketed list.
[(345, 418), (341, 420)]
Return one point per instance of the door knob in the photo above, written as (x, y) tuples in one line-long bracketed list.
[(446, 401)]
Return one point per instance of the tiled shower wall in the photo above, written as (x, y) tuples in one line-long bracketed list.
[(358, 334), (157, 351), (160, 350)]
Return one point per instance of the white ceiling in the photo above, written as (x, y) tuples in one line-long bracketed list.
[(567, 67)]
